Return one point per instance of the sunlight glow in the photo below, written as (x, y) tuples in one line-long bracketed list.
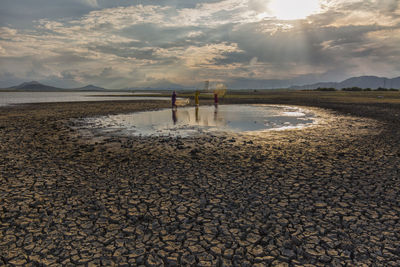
[(293, 9)]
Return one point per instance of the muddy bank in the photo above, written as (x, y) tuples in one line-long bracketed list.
[(323, 195)]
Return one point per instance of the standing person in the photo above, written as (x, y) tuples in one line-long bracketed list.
[(196, 97), (215, 99), (174, 99)]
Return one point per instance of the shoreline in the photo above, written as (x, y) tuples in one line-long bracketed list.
[(321, 195)]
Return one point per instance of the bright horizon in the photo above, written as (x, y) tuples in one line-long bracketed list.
[(242, 43)]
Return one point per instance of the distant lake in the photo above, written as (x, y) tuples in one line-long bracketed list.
[(10, 98)]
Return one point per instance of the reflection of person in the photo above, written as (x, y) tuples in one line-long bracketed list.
[(197, 113), (174, 99), (196, 97), (216, 111), (174, 117)]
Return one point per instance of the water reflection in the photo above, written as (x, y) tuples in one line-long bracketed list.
[(190, 121), (215, 112), (196, 112), (174, 117)]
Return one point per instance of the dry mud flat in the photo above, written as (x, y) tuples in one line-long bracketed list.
[(326, 195)]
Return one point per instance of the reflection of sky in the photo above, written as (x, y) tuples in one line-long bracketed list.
[(190, 120)]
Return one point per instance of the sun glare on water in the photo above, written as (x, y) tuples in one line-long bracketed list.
[(293, 9)]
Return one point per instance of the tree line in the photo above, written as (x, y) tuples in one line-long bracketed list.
[(354, 89)]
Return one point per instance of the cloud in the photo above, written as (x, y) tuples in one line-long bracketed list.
[(259, 5), (92, 3), (116, 44)]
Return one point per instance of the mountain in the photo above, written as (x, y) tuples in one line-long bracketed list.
[(90, 87), (372, 82), (34, 86)]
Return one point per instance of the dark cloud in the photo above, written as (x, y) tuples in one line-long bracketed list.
[(308, 45), (298, 45), (8, 79), (233, 57), (161, 36), (127, 52), (22, 13), (251, 83)]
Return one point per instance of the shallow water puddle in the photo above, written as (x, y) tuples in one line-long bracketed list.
[(189, 121)]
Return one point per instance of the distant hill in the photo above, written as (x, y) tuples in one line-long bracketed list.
[(36, 86), (90, 87), (372, 82)]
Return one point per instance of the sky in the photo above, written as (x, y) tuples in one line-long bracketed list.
[(181, 43)]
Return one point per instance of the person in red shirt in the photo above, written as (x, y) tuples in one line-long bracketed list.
[(174, 99), (215, 99)]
